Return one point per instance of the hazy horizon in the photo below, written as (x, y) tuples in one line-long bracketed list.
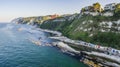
[(11, 9)]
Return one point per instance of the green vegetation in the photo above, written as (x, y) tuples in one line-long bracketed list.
[(86, 27), (97, 7), (72, 29), (56, 25), (117, 11), (102, 38), (117, 8), (107, 39)]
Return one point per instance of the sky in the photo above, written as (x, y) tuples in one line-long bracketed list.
[(10, 9)]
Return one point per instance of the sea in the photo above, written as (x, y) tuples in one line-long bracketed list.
[(17, 49)]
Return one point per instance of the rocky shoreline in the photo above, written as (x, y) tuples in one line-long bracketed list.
[(84, 53), (85, 57), (93, 60)]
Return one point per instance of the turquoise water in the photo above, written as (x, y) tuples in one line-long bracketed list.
[(16, 50)]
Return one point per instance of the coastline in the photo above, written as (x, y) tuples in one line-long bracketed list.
[(87, 59), (86, 54)]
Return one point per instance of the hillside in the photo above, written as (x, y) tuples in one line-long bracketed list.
[(93, 24), (101, 30), (35, 20), (95, 32)]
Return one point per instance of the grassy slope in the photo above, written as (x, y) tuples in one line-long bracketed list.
[(71, 30)]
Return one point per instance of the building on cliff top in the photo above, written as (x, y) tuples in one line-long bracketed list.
[(110, 6)]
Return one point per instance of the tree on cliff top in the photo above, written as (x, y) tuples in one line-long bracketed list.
[(117, 11), (97, 7)]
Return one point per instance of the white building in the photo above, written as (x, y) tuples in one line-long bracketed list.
[(110, 6)]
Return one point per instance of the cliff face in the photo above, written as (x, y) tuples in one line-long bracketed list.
[(58, 23), (99, 29)]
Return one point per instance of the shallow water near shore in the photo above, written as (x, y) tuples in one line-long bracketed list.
[(16, 50)]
